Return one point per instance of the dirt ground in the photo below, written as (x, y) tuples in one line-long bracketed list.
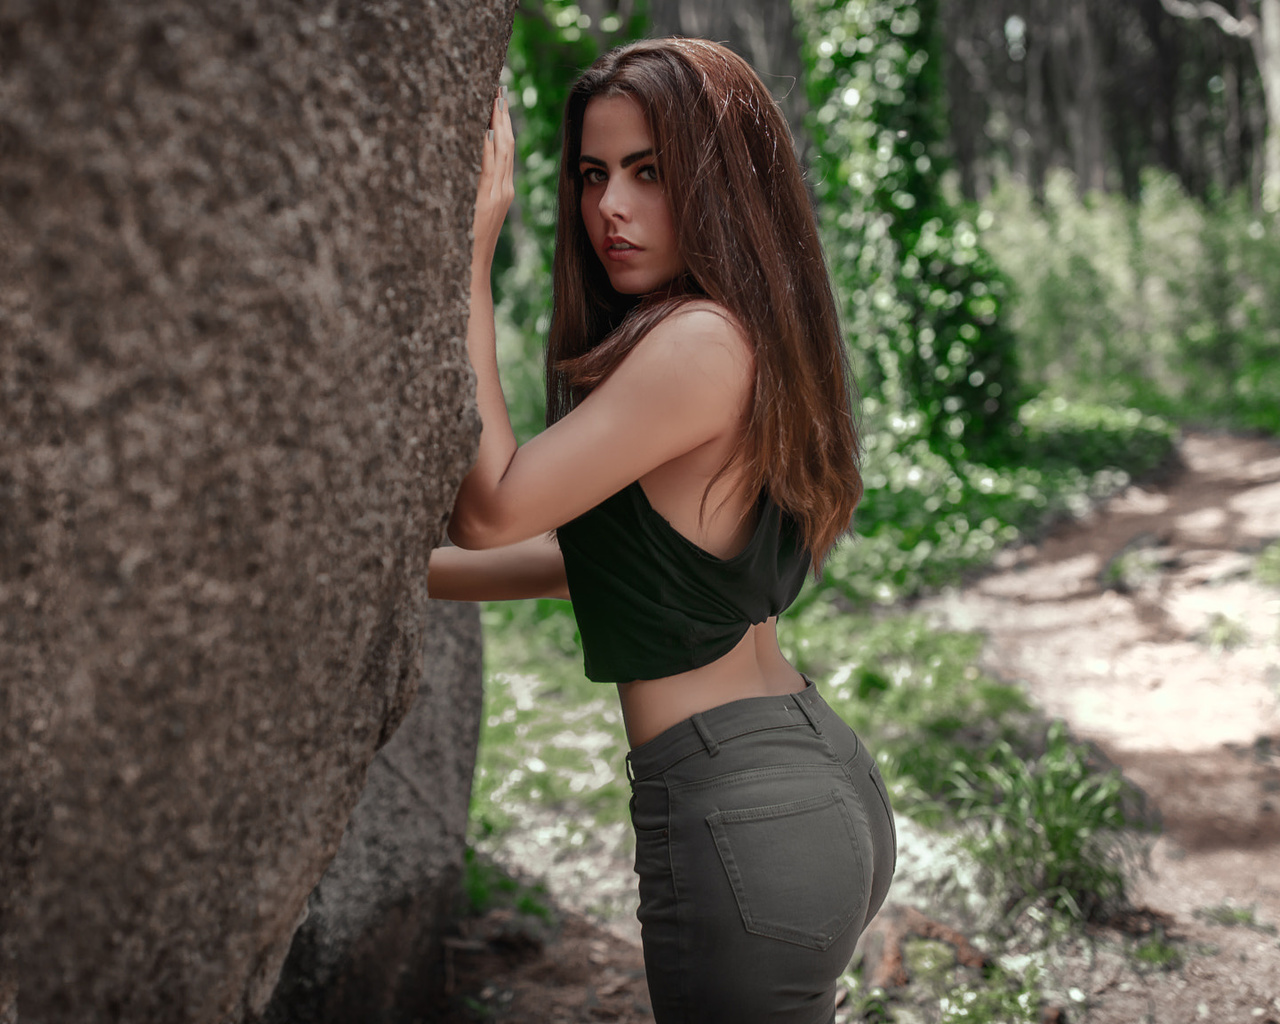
[(1141, 626)]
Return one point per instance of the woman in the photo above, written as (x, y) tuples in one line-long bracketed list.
[(699, 458)]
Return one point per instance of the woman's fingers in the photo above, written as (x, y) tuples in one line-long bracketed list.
[(496, 187), (504, 147)]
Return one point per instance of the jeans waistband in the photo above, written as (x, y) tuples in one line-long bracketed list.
[(706, 730)]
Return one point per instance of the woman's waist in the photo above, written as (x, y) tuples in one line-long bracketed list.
[(750, 669)]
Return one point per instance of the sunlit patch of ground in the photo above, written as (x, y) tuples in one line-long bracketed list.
[(1170, 662)]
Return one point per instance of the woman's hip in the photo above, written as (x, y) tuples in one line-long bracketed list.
[(764, 844)]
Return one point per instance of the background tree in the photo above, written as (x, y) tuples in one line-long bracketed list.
[(1106, 90), (1259, 23), (762, 31)]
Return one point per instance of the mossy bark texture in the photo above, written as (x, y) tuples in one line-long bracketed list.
[(234, 410)]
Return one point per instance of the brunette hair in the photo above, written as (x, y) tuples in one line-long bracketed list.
[(749, 241)]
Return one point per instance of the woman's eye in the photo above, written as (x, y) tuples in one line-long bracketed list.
[(593, 175), (649, 172)]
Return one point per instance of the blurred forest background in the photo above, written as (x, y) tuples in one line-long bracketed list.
[(1053, 229)]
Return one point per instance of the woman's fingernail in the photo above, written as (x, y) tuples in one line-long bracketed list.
[(489, 135)]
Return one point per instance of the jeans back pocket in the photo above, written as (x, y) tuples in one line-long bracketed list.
[(796, 868)]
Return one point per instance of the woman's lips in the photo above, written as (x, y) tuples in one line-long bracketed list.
[(620, 249)]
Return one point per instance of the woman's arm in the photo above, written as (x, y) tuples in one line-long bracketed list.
[(686, 384), (532, 568)]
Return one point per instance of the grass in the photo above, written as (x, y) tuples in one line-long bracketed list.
[(1231, 916), (549, 736), (1001, 999), (1053, 828), (1266, 570), (1157, 952), (487, 886)]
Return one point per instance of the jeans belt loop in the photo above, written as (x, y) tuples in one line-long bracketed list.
[(808, 713), (700, 724)]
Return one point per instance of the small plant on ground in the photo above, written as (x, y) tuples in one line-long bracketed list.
[(1231, 916), (1003, 999), (1223, 633), (1267, 569), (1052, 828), (1158, 952)]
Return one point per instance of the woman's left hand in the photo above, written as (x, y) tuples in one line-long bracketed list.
[(497, 183)]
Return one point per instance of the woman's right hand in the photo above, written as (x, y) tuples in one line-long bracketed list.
[(497, 183)]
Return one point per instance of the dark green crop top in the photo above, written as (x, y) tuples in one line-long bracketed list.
[(651, 603)]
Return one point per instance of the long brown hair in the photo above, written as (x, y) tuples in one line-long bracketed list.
[(749, 240)]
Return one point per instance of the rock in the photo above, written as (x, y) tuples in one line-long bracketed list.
[(370, 949), (234, 411)]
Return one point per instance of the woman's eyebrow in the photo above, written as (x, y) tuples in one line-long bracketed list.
[(626, 161)]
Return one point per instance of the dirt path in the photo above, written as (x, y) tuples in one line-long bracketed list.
[(1142, 628)]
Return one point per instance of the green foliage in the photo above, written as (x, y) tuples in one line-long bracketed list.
[(1158, 952), (1231, 916), (1002, 999), (1267, 569), (487, 886), (925, 519), (1166, 305), (549, 737), (912, 692), (1050, 827), (1042, 819), (922, 300), (1093, 438), (1223, 633)]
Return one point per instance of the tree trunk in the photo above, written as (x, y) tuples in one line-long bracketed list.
[(234, 241), (1267, 49), (762, 31)]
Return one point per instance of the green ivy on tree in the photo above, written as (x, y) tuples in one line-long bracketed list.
[(922, 299)]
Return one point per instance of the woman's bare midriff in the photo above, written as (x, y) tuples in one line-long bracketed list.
[(754, 668)]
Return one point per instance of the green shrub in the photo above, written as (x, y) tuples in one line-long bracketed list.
[(1166, 305), (926, 519), (1049, 828)]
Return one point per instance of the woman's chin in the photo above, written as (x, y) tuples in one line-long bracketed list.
[(635, 287)]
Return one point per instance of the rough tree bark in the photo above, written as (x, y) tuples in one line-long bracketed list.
[(234, 409)]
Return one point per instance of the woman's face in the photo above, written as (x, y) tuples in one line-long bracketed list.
[(624, 205)]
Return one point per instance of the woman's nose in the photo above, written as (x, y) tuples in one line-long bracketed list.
[(613, 203)]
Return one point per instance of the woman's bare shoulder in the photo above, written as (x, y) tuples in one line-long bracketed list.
[(705, 332)]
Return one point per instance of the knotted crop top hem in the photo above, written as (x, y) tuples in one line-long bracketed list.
[(651, 603)]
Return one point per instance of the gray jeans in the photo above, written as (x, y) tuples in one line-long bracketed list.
[(764, 844)]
